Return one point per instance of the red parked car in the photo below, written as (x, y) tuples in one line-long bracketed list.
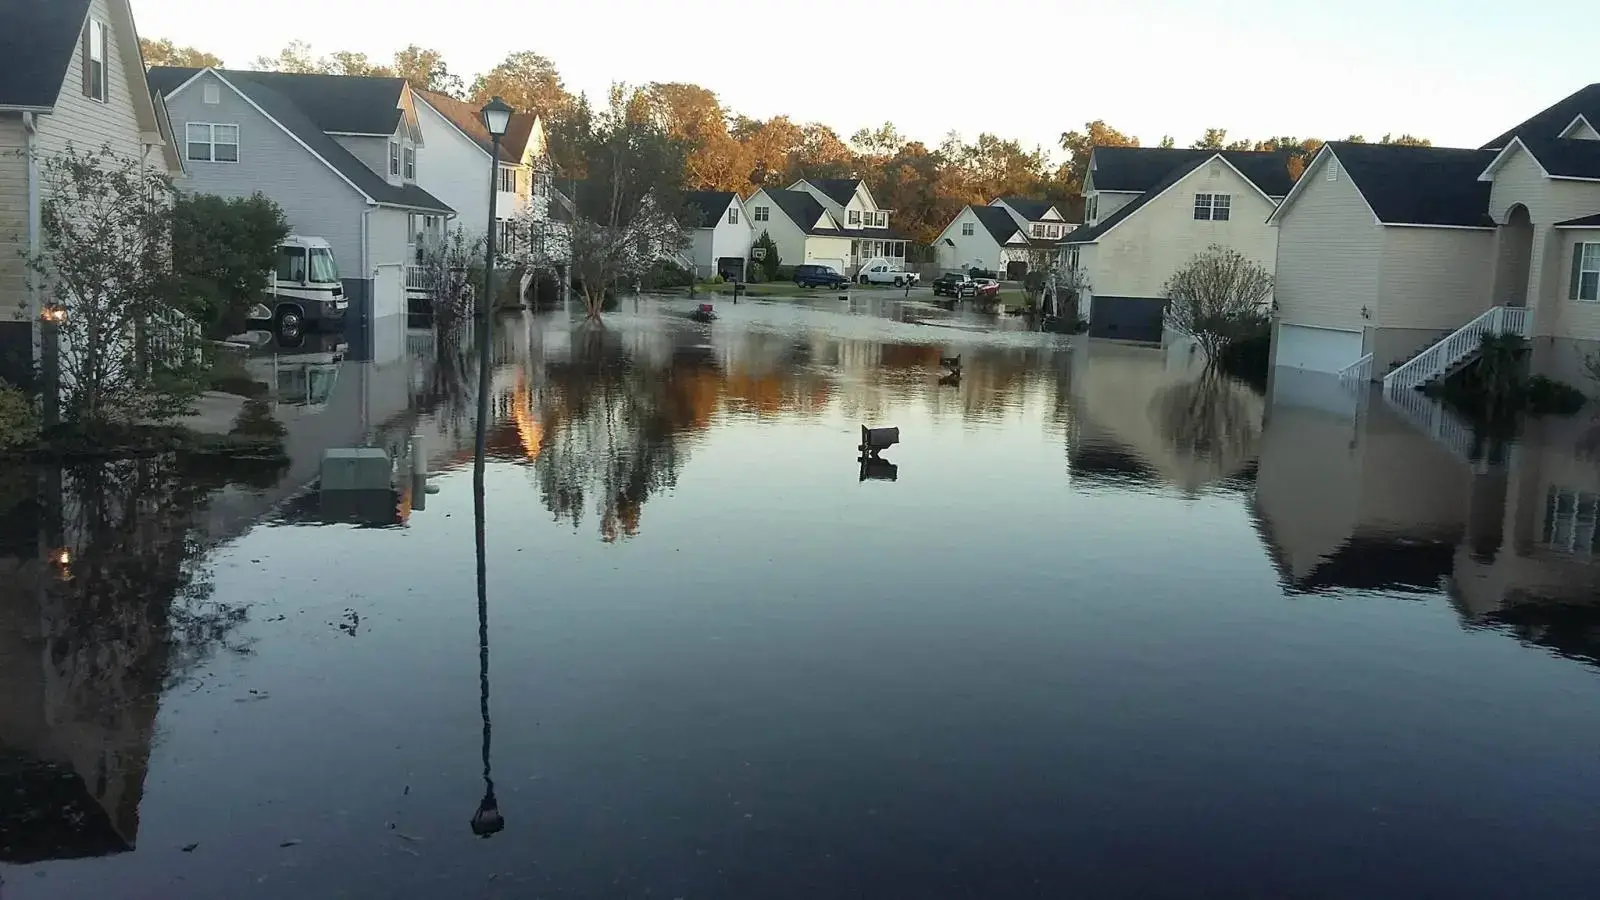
[(988, 288)]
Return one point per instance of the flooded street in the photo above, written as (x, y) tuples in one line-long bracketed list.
[(1096, 627)]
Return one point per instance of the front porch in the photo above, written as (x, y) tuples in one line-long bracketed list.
[(864, 250)]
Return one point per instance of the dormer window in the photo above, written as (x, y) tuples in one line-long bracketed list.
[(411, 163), (394, 158), (855, 217), (733, 215)]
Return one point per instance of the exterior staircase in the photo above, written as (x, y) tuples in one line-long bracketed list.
[(1456, 348)]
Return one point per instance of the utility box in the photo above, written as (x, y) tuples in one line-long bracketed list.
[(356, 469)]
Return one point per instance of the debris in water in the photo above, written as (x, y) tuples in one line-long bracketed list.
[(293, 842), (189, 848)]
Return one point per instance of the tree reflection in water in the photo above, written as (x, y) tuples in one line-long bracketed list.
[(1212, 418), (110, 605), (613, 428)]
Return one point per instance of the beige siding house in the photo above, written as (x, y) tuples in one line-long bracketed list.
[(1504, 238), (1382, 250), (1148, 211), (71, 74)]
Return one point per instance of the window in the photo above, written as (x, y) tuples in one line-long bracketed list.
[(94, 61), (1091, 209), (292, 264), (1585, 272), (505, 238), (733, 215), (1072, 259), (508, 180), (1333, 169), (966, 229), (394, 158), (1570, 520), (542, 184), (213, 95), (323, 270), (762, 212), (1212, 207), (212, 143), (411, 164), (855, 216)]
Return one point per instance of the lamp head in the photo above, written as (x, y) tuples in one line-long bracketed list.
[(497, 117)]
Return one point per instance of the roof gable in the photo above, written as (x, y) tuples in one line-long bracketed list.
[(1404, 185), (998, 222), (711, 204), (466, 119), (1565, 159), (1551, 121), (839, 190), (1139, 169), (37, 41), (288, 116)]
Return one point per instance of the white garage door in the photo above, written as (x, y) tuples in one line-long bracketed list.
[(1317, 349)]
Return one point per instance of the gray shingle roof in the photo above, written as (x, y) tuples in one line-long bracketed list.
[(712, 205), (466, 116), (261, 87), (1420, 185), (1032, 210), (839, 190), (1549, 122), (37, 39), (1138, 169), (997, 222), (1584, 222), (802, 209), (1090, 233)]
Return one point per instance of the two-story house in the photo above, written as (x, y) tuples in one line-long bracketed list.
[(1005, 237), (1149, 210), (71, 74), (833, 222), (341, 155), (1392, 261), (459, 148)]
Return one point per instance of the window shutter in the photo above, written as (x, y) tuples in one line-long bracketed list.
[(88, 60), (1577, 271)]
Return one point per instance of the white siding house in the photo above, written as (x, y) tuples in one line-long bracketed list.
[(802, 229), (859, 218), (721, 243), (458, 159)]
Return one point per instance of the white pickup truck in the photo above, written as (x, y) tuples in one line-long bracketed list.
[(881, 271)]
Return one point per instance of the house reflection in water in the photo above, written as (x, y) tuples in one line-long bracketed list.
[(1364, 501), (1142, 415)]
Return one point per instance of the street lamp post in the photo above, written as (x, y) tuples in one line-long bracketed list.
[(497, 120)]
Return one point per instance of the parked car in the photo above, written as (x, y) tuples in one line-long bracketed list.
[(811, 275), (955, 284), (881, 271), (987, 289)]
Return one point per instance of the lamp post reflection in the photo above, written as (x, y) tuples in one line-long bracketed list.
[(487, 820)]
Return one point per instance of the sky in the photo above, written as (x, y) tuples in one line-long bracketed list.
[(1455, 71)]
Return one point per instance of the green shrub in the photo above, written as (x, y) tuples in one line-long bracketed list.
[(716, 280), (783, 273), (255, 420), (1546, 396), (1247, 358), (769, 263), (19, 421), (666, 274)]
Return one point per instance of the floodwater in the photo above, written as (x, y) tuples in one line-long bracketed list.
[(1094, 628)]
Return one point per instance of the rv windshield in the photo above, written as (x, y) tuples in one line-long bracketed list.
[(323, 268)]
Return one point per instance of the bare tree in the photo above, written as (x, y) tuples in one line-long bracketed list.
[(453, 270), (126, 352), (1217, 298), (626, 214)]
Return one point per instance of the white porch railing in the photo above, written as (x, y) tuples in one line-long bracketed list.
[(1430, 417), (1465, 341), (421, 278), (1357, 373)]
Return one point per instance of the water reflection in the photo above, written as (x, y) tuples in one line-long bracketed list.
[(859, 672), (108, 603), (1358, 498)]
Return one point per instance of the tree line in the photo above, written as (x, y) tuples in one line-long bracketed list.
[(726, 150)]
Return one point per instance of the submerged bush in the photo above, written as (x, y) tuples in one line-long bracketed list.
[(255, 420), (19, 422)]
